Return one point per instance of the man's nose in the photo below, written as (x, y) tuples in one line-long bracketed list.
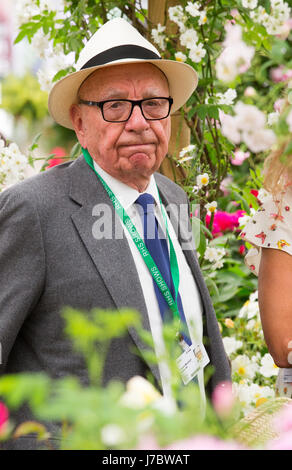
[(137, 121)]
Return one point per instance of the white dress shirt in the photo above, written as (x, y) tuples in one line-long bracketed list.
[(188, 290)]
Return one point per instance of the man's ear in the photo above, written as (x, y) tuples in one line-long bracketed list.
[(77, 121)]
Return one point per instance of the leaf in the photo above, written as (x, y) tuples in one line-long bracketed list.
[(196, 231), (212, 285), (29, 427), (75, 151), (202, 110), (20, 388), (242, 200), (34, 144), (227, 292), (213, 112), (60, 74), (206, 230), (20, 36), (191, 112)]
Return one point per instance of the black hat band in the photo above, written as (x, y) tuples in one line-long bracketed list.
[(127, 51)]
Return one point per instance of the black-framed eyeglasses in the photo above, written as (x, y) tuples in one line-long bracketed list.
[(152, 109)]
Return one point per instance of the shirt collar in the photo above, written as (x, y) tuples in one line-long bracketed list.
[(126, 194)]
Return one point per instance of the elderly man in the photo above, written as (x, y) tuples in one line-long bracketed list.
[(52, 253)]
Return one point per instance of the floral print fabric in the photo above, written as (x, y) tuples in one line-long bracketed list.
[(271, 227)]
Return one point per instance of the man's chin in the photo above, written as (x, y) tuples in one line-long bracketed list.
[(141, 163), (140, 159)]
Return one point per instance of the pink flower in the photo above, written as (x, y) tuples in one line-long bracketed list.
[(224, 221), (278, 105), (204, 442), (235, 13), (284, 442), (287, 75), (285, 29), (148, 442), (283, 426), (250, 91), (59, 153), (280, 74), (225, 183), (4, 415), (276, 74), (283, 419), (223, 399), (239, 157), (198, 442), (54, 162)]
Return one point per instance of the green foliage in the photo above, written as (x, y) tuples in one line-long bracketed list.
[(98, 327), (86, 411), (23, 97), (231, 285)]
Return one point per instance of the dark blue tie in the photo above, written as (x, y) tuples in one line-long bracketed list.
[(156, 244)]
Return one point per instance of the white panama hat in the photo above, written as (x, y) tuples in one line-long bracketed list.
[(118, 42)]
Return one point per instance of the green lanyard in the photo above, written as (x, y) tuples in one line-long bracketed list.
[(152, 267)]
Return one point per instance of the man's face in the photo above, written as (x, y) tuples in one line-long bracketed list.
[(128, 150)]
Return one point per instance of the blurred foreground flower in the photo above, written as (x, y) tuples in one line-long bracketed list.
[(204, 442), (223, 399), (4, 415), (112, 435), (283, 420), (139, 393), (196, 442), (283, 425)]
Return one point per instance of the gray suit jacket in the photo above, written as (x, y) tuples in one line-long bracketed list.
[(50, 259)]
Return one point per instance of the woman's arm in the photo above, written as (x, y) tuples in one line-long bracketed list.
[(275, 302)]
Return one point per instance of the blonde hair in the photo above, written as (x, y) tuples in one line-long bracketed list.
[(278, 168), (278, 165)]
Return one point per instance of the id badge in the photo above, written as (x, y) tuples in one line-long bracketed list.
[(287, 376), (191, 361)]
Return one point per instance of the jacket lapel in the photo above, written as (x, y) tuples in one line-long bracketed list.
[(111, 256)]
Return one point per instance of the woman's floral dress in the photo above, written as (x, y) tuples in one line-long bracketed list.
[(271, 227)]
